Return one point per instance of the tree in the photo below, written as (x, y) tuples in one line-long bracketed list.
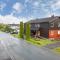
[(5, 28), (27, 31), (1, 27), (21, 32), (8, 29)]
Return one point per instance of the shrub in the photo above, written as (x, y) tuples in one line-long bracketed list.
[(27, 31), (21, 30)]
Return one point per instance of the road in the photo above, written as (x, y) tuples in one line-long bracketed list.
[(13, 49)]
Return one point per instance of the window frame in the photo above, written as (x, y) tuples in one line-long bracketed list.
[(58, 24), (52, 24)]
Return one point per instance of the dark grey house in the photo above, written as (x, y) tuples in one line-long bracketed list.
[(46, 27)]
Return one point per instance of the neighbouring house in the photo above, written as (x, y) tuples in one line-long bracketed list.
[(15, 27), (46, 27)]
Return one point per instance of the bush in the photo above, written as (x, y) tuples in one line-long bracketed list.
[(21, 32), (27, 31)]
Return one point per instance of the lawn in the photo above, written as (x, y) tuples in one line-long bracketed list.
[(57, 50), (15, 35), (40, 42)]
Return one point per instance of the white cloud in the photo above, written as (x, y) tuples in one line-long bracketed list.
[(56, 5), (18, 7), (2, 5), (23, 19), (12, 13), (26, 1), (8, 19), (36, 4)]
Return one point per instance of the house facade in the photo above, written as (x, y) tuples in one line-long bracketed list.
[(15, 27), (46, 27)]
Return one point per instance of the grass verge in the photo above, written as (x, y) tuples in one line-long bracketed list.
[(57, 50), (40, 42)]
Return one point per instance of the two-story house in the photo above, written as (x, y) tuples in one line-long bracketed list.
[(46, 27)]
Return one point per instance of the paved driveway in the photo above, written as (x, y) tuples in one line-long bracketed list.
[(13, 49)]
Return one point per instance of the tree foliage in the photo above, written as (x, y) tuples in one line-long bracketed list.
[(27, 31), (8, 29), (5, 28), (21, 32)]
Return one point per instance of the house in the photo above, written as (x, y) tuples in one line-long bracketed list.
[(15, 27), (46, 27)]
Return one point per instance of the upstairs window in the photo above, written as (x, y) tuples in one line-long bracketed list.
[(58, 24), (32, 25), (52, 25)]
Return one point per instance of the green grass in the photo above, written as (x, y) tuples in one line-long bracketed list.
[(57, 50), (40, 42), (2, 39), (15, 35)]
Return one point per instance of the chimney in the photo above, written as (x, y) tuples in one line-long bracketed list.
[(52, 16)]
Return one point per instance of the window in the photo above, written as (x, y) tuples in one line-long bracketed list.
[(52, 25), (52, 32), (58, 24), (32, 25), (58, 31), (37, 25)]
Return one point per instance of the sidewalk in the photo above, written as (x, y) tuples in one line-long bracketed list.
[(52, 46), (3, 53)]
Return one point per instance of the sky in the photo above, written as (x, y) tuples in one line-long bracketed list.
[(14, 11)]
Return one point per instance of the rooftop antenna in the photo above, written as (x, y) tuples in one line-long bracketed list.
[(51, 12)]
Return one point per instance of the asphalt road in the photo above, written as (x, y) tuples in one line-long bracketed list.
[(13, 49)]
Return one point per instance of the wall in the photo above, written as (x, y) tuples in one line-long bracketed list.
[(44, 29), (54, 34)]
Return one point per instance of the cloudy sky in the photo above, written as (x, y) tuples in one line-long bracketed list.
[(14, 11)]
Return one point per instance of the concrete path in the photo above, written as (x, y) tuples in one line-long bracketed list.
[(13, 49), (54, 45)]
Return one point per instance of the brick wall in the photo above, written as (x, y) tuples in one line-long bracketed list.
[(54, 34)]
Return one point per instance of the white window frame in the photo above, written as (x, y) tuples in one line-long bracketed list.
[(58, 32), (52, 25), (37, 25), (58, 24)]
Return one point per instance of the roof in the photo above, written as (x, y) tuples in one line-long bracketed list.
[(13, 24), (48, 19)]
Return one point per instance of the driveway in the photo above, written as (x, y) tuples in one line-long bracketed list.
[(54, 45), (13, 49)]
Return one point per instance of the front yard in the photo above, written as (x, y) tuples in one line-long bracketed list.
[(41, 42), (51, 44), (38, 42)]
